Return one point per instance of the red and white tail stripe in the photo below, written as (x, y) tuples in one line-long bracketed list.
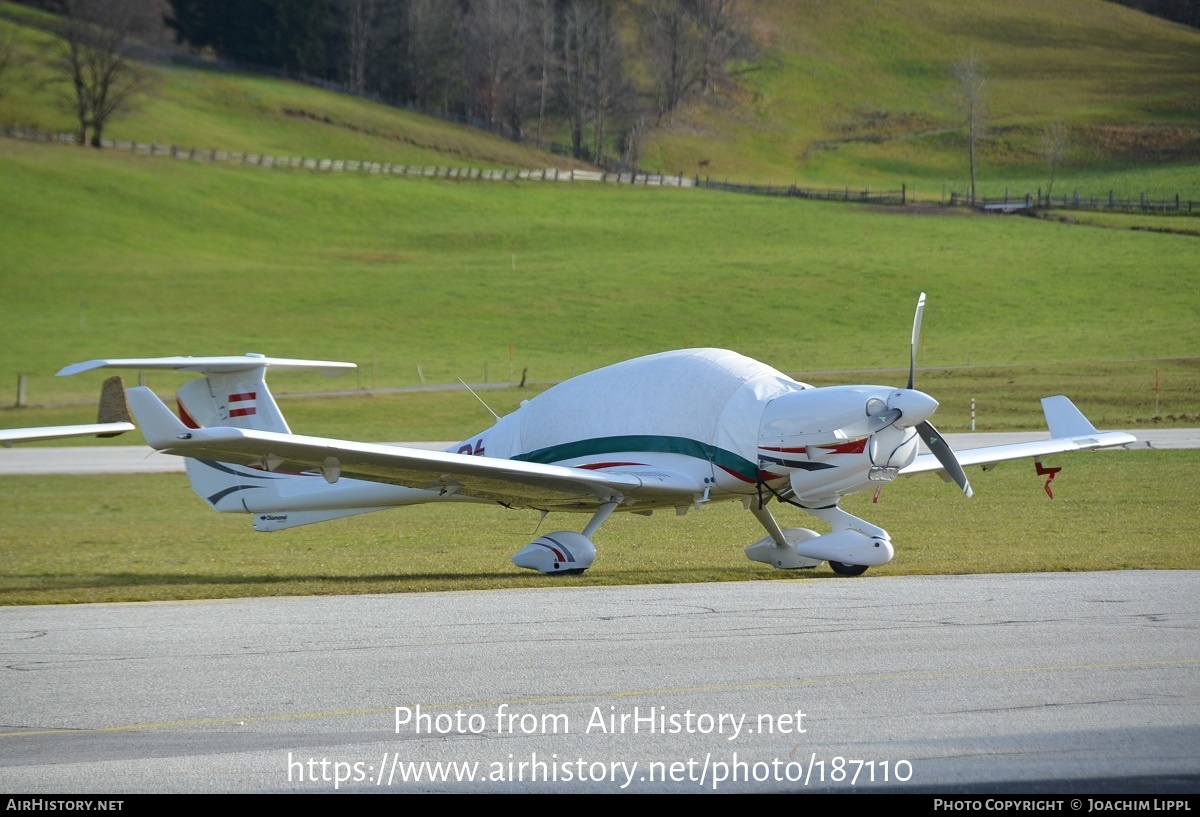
[(243, 404)]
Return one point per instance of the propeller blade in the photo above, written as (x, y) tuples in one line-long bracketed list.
[(945, 454), (916, 335)]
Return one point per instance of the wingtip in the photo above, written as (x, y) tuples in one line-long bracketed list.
[(76, 368), (1065, 420)]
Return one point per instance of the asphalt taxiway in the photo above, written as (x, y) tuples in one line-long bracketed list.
[(1063, 682)]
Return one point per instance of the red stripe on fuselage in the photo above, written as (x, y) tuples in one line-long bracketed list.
[(243, 396), (852, 447), (763, 476)]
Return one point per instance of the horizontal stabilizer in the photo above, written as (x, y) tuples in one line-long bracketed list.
[(205, 365)]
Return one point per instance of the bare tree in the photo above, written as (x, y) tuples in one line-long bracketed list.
[(361, 25), (606, 81), (631, 141), (971, 86), (592, 80), (434, 51), (501, 49), (578, 24), (1055, 142), (546, 29), (522, 67), (676, 53), (92, 58), (717, 30)]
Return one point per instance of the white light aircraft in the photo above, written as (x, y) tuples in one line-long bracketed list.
[(113, 420), (674, 430)]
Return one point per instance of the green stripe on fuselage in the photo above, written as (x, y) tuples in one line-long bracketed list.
[(644, 443)]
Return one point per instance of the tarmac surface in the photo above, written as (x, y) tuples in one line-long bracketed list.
[(1033, 683)]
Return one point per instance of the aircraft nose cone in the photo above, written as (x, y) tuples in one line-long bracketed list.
[(915, 406)]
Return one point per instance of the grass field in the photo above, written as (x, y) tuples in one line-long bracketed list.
[(89, 539), (114, 256)]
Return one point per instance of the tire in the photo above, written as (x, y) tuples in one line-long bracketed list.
[(843, 569)]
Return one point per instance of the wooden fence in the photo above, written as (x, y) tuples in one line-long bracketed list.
[(1075, 201), (357, 166), (1007, 203), (845, 194)]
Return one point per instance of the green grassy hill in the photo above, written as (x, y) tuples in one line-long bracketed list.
[(862, 92), (216, 109)]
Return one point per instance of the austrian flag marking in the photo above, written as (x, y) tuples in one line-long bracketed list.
[(243, 404)]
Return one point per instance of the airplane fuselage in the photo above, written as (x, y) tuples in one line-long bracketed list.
[(745, 428)]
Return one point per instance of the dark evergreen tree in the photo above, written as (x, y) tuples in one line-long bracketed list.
[(288, 34)]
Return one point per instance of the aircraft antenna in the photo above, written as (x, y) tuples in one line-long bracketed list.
[(477, 397)]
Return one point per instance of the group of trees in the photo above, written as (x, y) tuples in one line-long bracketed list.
[(510, 65), (1186, 12)]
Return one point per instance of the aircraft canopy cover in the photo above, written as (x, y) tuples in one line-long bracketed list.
[(713, 396)]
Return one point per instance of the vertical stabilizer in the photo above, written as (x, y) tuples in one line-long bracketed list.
[(232, 391), (240, 399)]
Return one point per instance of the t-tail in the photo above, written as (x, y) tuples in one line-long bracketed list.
[(233, 392)]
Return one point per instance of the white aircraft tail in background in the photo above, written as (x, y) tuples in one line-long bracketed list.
[(674, 431)]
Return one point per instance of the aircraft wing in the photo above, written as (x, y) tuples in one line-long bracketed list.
[(511, 482), (113, 420), (1069, 431), (8, 436)]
